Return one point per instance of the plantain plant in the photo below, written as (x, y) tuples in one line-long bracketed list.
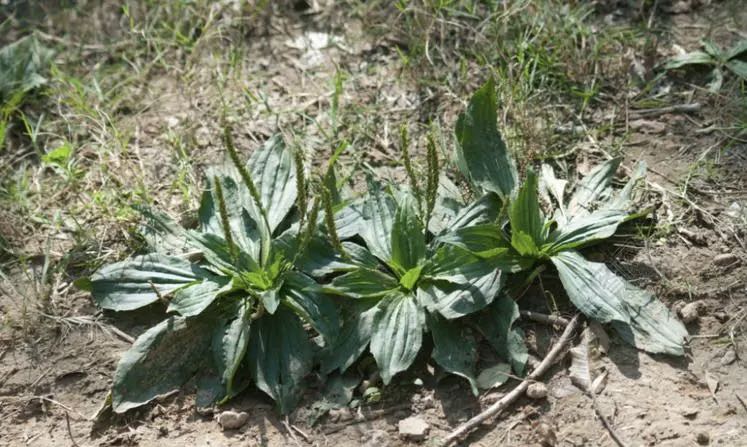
[(235, 300), (400, 264), (524, 236), (731, 59), (403, 283)]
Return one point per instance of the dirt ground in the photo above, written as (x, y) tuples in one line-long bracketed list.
[(153, 130)]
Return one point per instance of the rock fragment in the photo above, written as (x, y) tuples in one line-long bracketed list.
[(537, 390), (725, 259), (232, 420), (690, 311), (414, 428), (703, 438)]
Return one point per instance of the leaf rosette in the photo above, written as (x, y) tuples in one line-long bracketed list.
[(526, 238), (237, 304)]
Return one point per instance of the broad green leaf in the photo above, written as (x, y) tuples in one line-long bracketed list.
[(397, 334), (738, 67), (696, 57), (497, 325), (458, 295), (481, 150), (486, 242), (454, 264), (161, 360), (271, 298), (411, 277), (408, 237), (480, 240), (551, 186), (192, 300), (273, 171), (244, 228), (363, 283), (712, 49), (321, 259), (354, 337), (137, 282), (716, 80), (22, 66), (524, 244), (229, 344), (207, 214), (60, 156), (587, 229), (161, 233), (639, 318), (527, 223), (448, 204), (482, 211), (279, 356), (494, 376), (307, 300), (591, 187), (623, 200), (349, 220), (215, 250), (378, 215), (209, 388), (454, 348), (736, 50)]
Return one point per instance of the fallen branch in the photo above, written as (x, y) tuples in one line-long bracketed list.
[(509, 398)]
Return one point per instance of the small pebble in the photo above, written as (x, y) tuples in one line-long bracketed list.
[(703, 438), (414, 428), (725, 259), (231, 420), (690, 311), (729, 357), (537, 390)]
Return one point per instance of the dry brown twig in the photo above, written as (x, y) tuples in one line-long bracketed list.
[(494, 410), (543, 318)]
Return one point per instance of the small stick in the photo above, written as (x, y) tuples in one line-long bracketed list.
[(374, 414), (121, 334), (543, 318), (290, 431), (679, 108), (741, 401), (509, 398), (157, 292), (69, 430), (605, 422), (302, 433)]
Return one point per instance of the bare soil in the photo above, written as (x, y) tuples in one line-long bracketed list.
[(55, 370)]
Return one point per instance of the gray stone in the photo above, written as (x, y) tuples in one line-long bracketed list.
[(231, 420), (690, 311), (414, 428), (703, 438), (725, 259), (537, 390)]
